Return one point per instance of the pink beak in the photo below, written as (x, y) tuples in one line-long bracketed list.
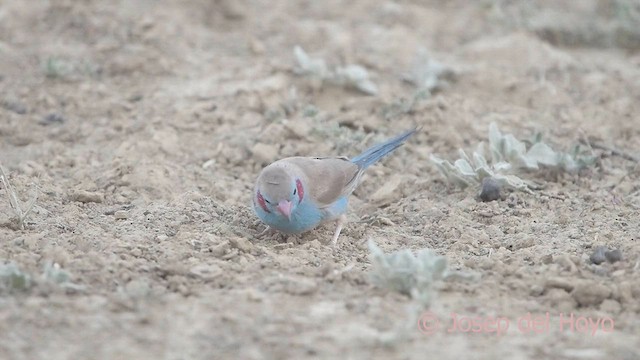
[(285, 207)]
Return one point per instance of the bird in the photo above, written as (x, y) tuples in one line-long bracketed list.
[(296, 194)]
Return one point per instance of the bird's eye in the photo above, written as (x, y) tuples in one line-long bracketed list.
[(295, 191), (267, 201)]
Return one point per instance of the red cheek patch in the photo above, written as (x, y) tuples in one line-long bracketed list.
[(261, 202), (300, 189)]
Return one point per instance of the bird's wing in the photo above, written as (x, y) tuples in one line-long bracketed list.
[(328, 178)]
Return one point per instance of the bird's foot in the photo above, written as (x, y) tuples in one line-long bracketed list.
[(341, 221), (269, 230), (273, 234)]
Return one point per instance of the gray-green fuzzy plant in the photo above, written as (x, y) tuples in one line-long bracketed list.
[(508, 156), (428, 74), (13, 279), (354, 76), (407, 274)]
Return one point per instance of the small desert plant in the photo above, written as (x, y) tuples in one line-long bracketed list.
[(427, 74), (54, 273), (68, 69), (509, 155), (412, 275), (55, 68), (13, 279), (20, 211), (354, 76)]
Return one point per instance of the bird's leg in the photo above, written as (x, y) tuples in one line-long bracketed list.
[(341, 221), (267, 230)]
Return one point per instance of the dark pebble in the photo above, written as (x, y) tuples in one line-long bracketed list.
[(598, 256), (15, 106), (53, 118), (613, 255), (490, 189)]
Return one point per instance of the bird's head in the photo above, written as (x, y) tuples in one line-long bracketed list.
[(279, 191)]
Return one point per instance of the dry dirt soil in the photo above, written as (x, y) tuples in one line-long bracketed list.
[(143, 125)]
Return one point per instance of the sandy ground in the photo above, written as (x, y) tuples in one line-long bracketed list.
[(143, 125)]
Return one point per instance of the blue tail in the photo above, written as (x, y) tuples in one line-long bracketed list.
[(376, 152)]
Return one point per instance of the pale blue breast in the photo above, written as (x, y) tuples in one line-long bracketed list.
[(305, 217)]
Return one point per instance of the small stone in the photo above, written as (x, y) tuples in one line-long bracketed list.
[(536, 290), (598, 255), (486, 263), (15, 106), (52, 118), (547, 259), (590, 294), (121, 215), (518, 242), (264, 153), (220, 249), (490, 189), (241, 244), (233, 253), (613, 256), (254, 295), (565, 262), (559, 298), (86, 196), (206, 271), (558, 283)]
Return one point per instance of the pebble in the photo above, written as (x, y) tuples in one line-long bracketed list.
[(518, 242), (206, 271), (558, 283), (536, 290), (613, 256), (87, 196), (490, 189), (52, 118), (602, 253), (221, 249), (547, 259), (598, 255), (241, 244), (590, 294), (15, 106), (565, 262), (121, 215)]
